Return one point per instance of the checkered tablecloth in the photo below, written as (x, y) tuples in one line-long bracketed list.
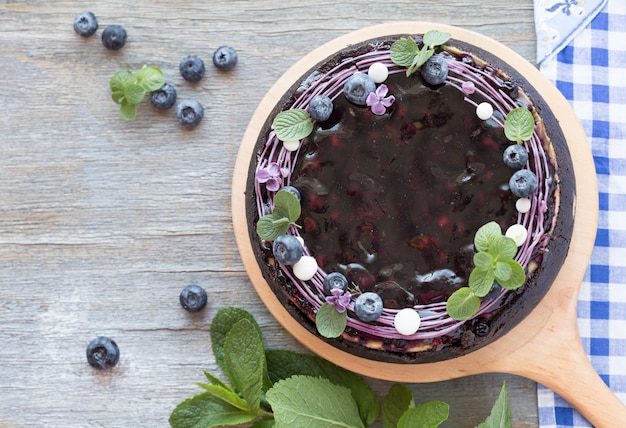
[(590, 71)]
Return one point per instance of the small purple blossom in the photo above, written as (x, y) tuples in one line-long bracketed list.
[(379, 101), (272, 175), (339, 299)]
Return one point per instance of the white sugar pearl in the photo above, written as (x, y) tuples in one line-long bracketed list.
[(291, 146), (378, 72), (305, 268), (523, 205), (407, 321), (484, 111), (518, 233)]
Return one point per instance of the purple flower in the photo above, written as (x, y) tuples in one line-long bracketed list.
[(272, 175), (339, 299), (379, 101)]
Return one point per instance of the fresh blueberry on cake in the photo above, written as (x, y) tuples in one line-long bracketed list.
[(410, 199)]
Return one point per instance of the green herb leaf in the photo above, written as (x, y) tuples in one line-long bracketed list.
[(486, 234), (503, 248), (214, 379), (500, 416), (517, 278), (330, 323), (206, 411), (403, 51), (288, 204), (483, 260), (480, 281), (226, 394), (428, 415), (292, 125), (128, 111), (462, 304), (244, 358), (121, 80), (134, 93), (434, 38), (150, 78), (269, 227), (502, 271), (398, 400), (263, 423), (312, 402), (419, 60), (283, 364), (519, 125)]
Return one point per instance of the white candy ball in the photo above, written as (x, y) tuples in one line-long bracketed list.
[(523, 205), (305, 268), (300, 240), (378, 72), (484, 111), (407, 321), (518, 233), (291, 146)]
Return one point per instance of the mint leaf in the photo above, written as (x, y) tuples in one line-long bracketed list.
[(483, 260), (134, 93), (244, 358), (292, 125), (434, 38), (121, 80), (480, 281), (283, 364), (419, 60), (428, 415), (519, 125), (214, 380), (330, 323), (150, 78), (500, 416), (503, 248), (403, 51), (517, 278), (206, 411), (226, 394), (263, 423), (128, 111), (486, 234), (502, 271), (313, 403), (270, 227), (398, 400), (288, 204), (462, 304)]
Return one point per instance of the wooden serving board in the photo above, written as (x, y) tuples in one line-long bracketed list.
[(545, 346)]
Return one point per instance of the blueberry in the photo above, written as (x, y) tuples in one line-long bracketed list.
[(295, 192), (523, 183), (515, 156), (191, 68), (334, 280), (358, 87), (435, 70), (225, 58), (320, 108), (193, 298), (163, 98), (85, 24), (189, 112), (287, 249), (114, 37), (102, 353), (368, 306)]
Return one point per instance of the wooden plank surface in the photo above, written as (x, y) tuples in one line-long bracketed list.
[(103, 222)]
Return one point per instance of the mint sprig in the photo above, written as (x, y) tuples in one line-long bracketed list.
[(292, 125), (129, 89), (285, 213), (406, 53), (492, 262)]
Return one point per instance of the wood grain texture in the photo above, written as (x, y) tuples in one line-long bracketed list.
[(103, 222)]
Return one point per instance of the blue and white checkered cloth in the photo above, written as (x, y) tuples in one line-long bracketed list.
[(590, 71)]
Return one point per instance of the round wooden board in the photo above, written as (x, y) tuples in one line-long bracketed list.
[(545, 346)]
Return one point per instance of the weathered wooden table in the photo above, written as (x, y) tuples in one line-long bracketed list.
[(103, 221)]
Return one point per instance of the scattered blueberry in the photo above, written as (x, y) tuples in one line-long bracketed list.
[(515, 156), (85, 24), (435, 70), (114, 37), (189, 112), (320, 108), (523, 183), (295, 192), (225, 58), (287, 249), (193, 298), (368, 306), (358, 87), (102, 353), (163, 98), (334, 280), (191, 68)]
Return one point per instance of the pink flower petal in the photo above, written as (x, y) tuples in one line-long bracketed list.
[(387, 102), (272, 185), (262, 176), (382, 91), (372, 99), (378, 109), (274, 169)]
